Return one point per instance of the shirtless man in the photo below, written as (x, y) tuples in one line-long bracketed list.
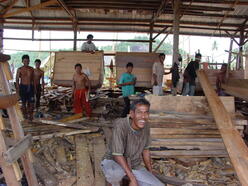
[(80, 91), (25, 87), (221, 78), (39, 83)]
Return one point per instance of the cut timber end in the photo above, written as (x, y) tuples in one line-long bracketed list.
[(236, 148)]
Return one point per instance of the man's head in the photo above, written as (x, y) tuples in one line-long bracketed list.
[(161, 57), (78, 68), (89, 38), (25, 60), (139, 112), (37, 63), (223, 68), (198, 57), (129, 67)]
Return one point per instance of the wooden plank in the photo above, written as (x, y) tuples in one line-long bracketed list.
[(177, 136), (68, 125), (85, 175), (7, 101), (236, 91), (189, 153), (186, 104), (8, 170), (99, 151), (161, 131), (15, 152), (73, 117), (61, 134), (236, 148)]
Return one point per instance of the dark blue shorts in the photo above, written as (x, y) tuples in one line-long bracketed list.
[(27, 93)]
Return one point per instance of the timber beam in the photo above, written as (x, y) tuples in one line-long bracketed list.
[(235, 145)]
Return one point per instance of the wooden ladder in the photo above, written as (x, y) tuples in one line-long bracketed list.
[(21, 147)]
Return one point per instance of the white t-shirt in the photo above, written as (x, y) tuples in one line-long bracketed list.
[(88, 46), (158, 69)]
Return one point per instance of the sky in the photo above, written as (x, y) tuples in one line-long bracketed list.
[(190, 44)]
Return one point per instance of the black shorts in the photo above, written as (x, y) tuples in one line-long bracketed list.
[(27, 93)]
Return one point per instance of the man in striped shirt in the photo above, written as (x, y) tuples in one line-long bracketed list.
[(129, 146)]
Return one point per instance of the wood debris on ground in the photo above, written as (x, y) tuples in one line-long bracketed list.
[(68, 149)]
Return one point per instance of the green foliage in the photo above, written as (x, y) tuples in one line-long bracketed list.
[(16, 58), (167, 48)]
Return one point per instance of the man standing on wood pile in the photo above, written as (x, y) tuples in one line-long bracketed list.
[(80, 91), (89, 46), (221, 78), (157, 75), (127, 82), (39, 83), (128, 147), (25, 88), (190, 76)]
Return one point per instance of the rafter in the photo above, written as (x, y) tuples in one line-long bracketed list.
[(64, 6), (51, 2), (160, 10), (9, 7), (227, 13), (231, 36)]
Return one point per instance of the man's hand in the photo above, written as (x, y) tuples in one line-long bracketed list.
[(133, 182)]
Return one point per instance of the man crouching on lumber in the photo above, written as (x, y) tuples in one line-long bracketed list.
[(80, 91), (129, 145)]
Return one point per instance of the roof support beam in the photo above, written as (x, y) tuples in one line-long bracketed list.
[(35, 7), (1, 37), (231, 36), (176, 22), (9, 7), (160, 10), (64, 6), (160, 32), (224, 17)]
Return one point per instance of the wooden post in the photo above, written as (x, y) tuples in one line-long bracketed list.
[(17, 130), (1, 37), (241, 43), (235, 146), (229, 59), (75, 37), (176, 19), (150, 40)]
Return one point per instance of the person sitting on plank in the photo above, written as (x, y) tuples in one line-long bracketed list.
[(128, 147)]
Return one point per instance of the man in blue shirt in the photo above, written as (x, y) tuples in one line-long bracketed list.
[(127, 82)]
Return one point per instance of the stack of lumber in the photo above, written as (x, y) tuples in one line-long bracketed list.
[(184, 127), (142, 66), (65, 62)]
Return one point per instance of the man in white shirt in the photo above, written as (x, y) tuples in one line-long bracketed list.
[(157, 75), (89, 46)]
